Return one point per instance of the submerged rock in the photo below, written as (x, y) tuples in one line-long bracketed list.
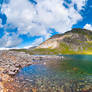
[(11, 62)]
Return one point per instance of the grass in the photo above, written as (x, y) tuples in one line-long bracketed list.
[(55, 52), (69, 45), (62, 49)]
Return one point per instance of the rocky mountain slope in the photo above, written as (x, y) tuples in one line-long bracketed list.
[(75, 41)]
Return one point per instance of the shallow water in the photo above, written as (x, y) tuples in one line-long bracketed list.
[(74, 74)]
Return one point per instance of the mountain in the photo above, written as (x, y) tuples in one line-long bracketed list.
[(75, 41)]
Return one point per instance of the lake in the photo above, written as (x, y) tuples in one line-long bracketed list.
[(73, 74)]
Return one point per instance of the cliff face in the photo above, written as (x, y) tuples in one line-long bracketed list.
[(74, 41), (52, 43)]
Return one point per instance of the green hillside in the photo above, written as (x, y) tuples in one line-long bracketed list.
[(76, 41)]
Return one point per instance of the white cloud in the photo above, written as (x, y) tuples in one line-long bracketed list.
[(79, 3), (88, 26), (35, 43), (1, 23), (8, 41), (35, 20), (4, 48)]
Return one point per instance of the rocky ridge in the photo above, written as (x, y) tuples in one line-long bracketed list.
[(75, 37), (75, 41)]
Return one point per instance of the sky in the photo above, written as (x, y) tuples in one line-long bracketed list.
[(27, 23)]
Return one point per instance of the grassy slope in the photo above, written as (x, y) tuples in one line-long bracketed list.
[(64, 48)]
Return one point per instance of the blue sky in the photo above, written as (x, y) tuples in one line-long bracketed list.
[(25, 23)]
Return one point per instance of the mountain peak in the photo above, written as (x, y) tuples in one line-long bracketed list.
[(74, 40)]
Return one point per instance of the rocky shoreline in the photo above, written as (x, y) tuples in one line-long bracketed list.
[(11, 62)]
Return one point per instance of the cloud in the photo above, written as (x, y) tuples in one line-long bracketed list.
[(8, 41), (35, 20), (88, 26), (35, 43), (80, 3), (1, 23)]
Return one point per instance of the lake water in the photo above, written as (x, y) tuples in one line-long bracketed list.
[(73, 74)]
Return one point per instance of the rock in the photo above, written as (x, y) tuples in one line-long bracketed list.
[(11, 62), (5, 72), (1, 87), (17, 65), (11, 73), (0, 79)]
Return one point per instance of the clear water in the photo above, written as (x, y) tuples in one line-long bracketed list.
[(74, 74)]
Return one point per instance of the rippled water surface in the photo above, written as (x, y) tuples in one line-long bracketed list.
[(73, 74)]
